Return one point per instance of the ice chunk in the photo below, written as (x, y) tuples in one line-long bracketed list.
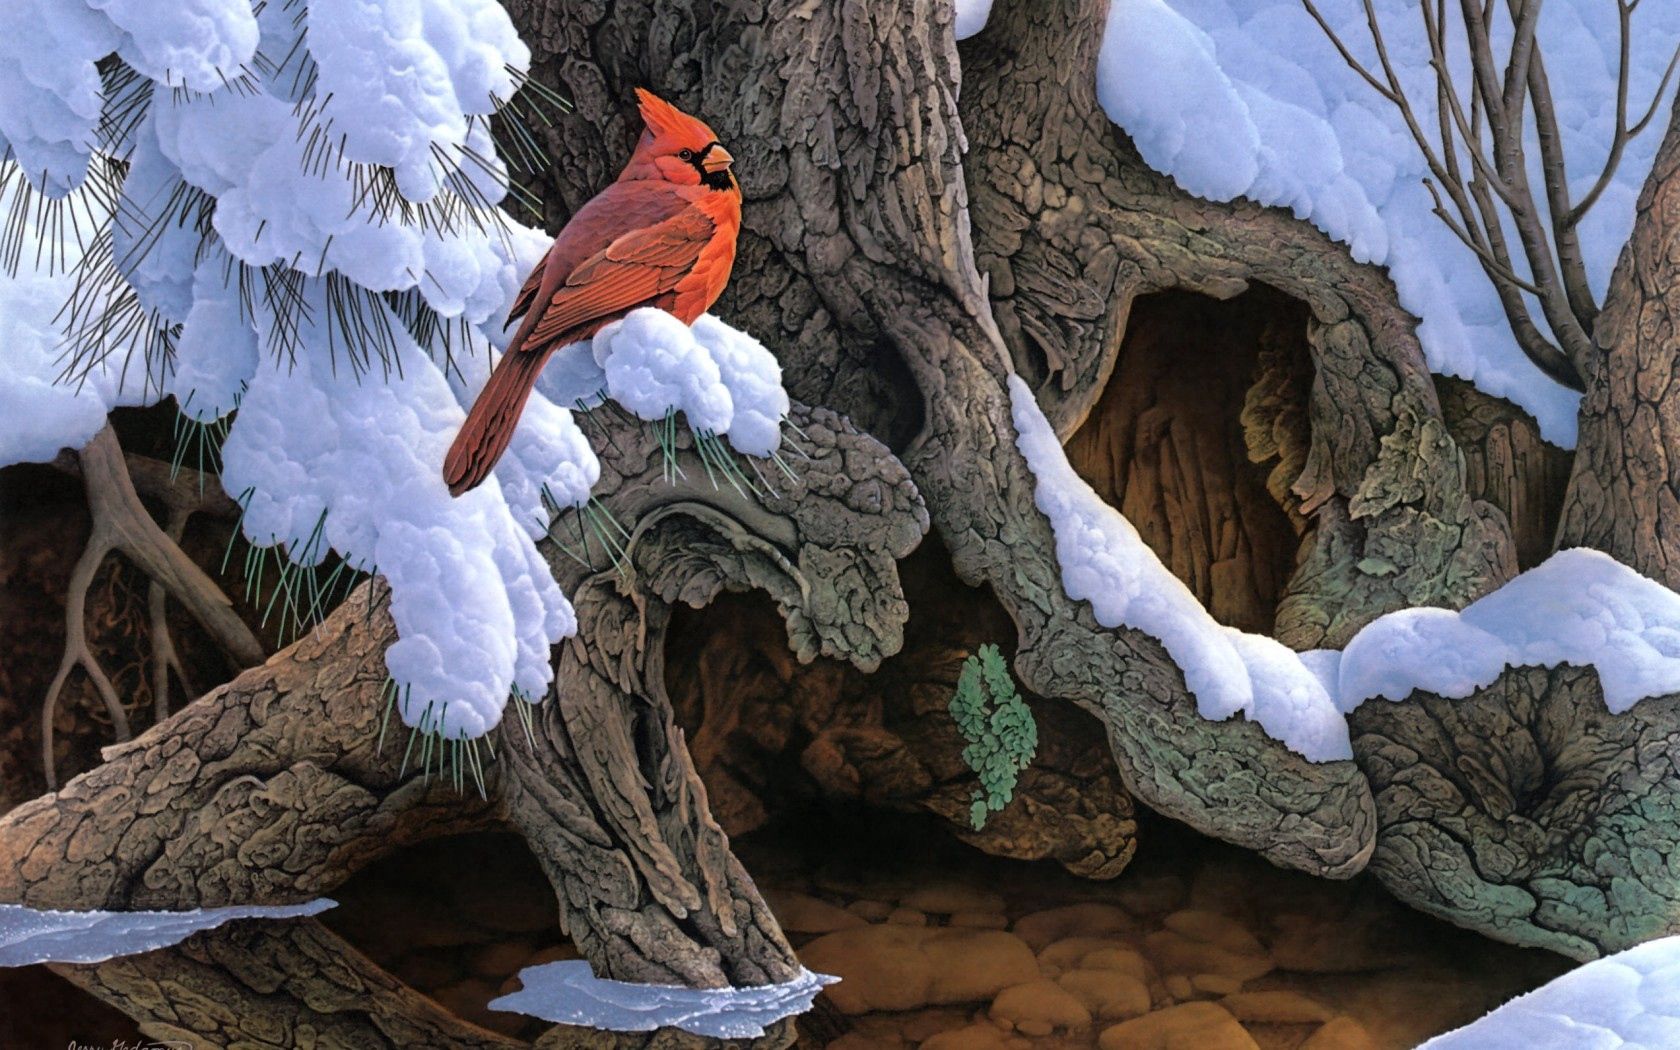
[(568, 992), (29, 935)]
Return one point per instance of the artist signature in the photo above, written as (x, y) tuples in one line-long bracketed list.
[(125, 1044)]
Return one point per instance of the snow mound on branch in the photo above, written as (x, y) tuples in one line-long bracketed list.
[(307, 225), (1249, 98), (724, 380), (1579, 607), (1628, 1000)]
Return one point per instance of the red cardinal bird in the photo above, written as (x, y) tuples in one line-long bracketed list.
[(662, 235)]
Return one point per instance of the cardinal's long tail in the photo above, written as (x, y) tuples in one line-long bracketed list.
[(489, 426)]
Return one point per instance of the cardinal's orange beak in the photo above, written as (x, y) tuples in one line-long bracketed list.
[(717, 158)]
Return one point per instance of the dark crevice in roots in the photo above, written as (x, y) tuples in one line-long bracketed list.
[(1198, 434)]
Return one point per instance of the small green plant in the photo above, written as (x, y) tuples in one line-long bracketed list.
[(1002, 736)]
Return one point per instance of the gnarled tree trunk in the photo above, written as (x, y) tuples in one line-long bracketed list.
[(277, 786), (922, 226), (1624, 494)]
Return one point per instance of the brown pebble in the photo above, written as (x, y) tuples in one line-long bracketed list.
[(1203, 1026), (1278, 1006), (1343, 1033)]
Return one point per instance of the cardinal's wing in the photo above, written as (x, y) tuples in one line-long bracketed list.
[(635, 269)]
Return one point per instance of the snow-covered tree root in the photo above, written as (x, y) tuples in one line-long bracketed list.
[(857, 233), (1072, 228), (275, 787), (1528, 811)]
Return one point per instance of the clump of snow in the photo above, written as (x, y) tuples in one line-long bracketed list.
[(216, 350), (568, 992), (1105, 561), (51, 88), (195, 44), (29, 936), (971, 17), (307, 220), (724, 380), (1249, 98), (42, 414), (399, 82), (653, 363), (1628, 1000), (475, 606), (1579, 607)]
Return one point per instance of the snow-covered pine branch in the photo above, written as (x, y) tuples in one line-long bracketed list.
[(290, 208)]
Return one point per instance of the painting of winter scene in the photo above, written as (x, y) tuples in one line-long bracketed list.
[(850, 524)]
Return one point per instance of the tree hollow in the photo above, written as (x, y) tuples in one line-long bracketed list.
[(1166, 443)]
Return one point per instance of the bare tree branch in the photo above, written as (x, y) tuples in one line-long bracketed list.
[(1497, 189)]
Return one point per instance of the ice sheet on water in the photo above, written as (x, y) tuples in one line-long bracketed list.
[(30, 935), (568, 992)]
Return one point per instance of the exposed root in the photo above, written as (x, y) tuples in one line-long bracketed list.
[(121, 523), (77, 653), (165, 658)]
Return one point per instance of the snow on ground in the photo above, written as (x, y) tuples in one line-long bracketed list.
[(305, 178), (29, 936), (1579, 607), (569, 993), (1626, 1001), (1249, 98)]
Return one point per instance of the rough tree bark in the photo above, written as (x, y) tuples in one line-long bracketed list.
[(858, 237), (918, 229), (860, 166), (1624, 494), (274, 788)]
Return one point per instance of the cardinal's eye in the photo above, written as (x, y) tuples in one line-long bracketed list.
[(686, 154)]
